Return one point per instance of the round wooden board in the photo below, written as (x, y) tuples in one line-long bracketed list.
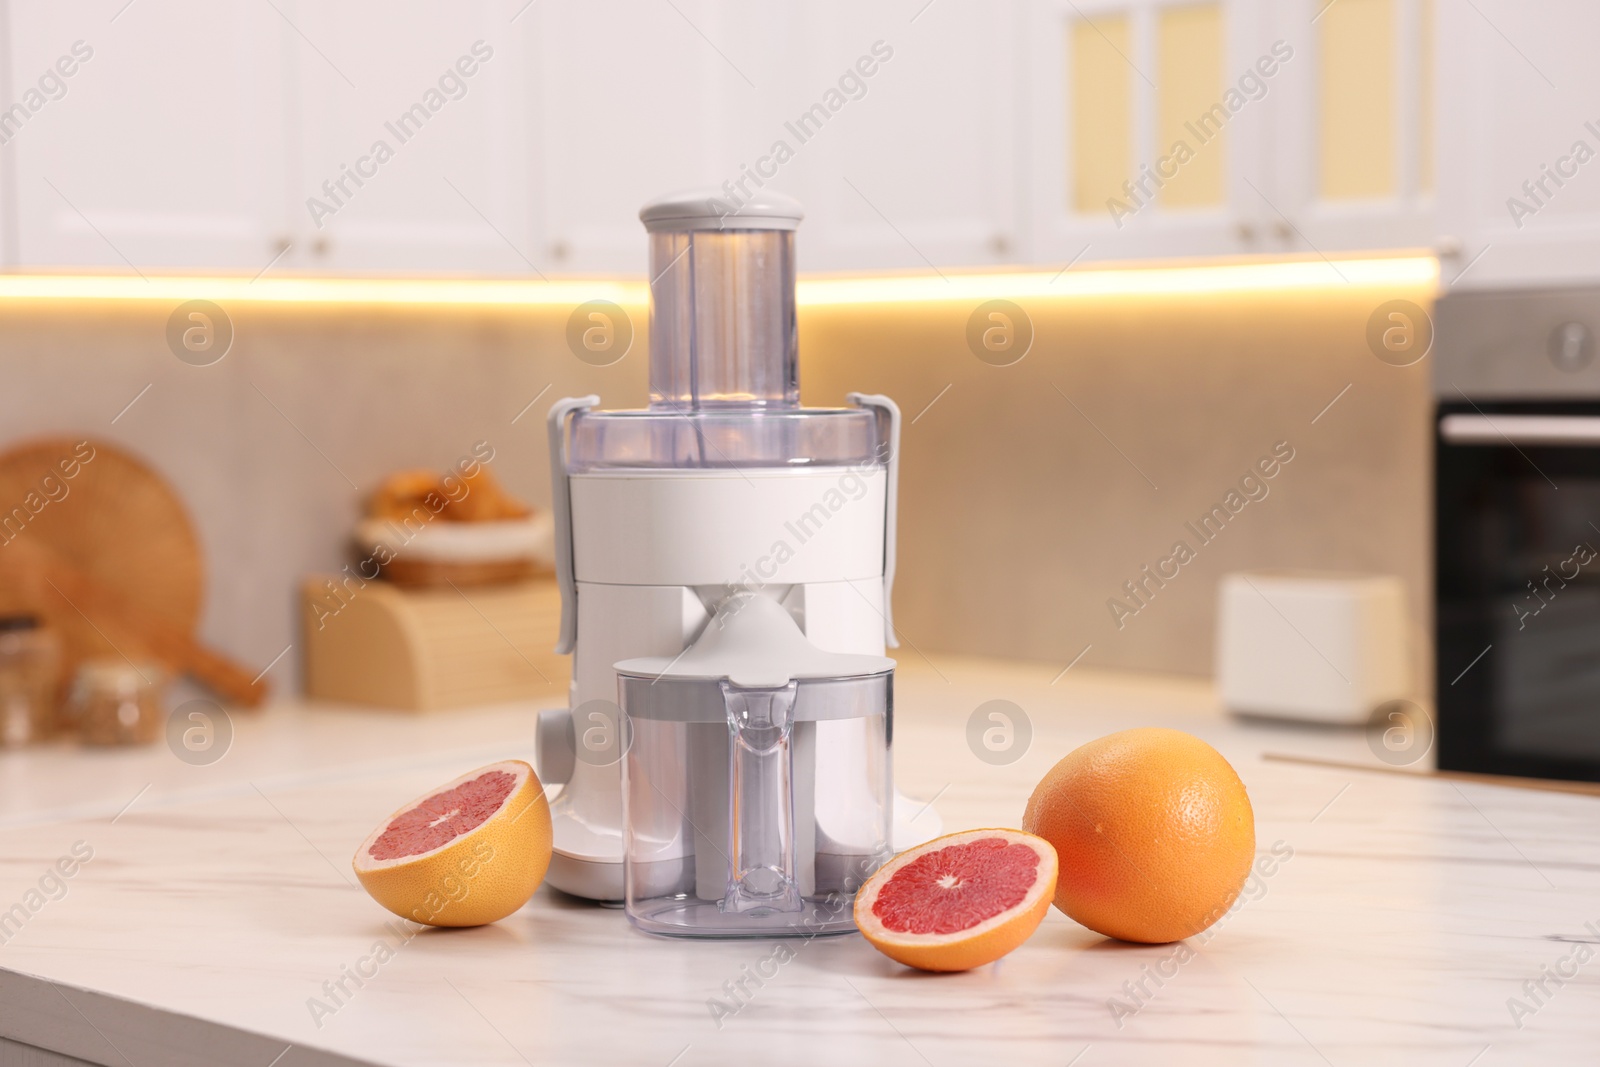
[(116, 520)]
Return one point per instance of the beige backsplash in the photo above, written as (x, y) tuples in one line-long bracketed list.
[(1029, 493)]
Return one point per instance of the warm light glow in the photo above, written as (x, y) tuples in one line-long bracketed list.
[(291, 290), (1390, 272), (1417, 271)]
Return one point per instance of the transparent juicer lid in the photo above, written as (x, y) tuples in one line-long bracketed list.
[(724, 359)]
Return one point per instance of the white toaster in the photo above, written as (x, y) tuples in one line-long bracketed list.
[(1319, 647)]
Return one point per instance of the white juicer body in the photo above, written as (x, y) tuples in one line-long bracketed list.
[(652, 554)]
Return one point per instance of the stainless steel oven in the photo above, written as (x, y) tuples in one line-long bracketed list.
[(1517, 533)]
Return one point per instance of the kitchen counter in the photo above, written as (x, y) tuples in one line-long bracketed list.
[(1401, 922)]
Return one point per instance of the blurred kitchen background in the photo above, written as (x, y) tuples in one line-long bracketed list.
[(1206, 213)]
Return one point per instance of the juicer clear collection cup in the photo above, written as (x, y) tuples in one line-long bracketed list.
[(757, 788)]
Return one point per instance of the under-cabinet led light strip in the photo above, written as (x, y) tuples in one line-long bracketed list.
[(1411, 271)]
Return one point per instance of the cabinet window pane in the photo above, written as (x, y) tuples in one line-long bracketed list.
[(1189, 49), (1425, 99), (1358, 99), (1102, 111)]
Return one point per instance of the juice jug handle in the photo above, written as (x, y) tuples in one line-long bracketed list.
[(561, 513), (888, 413), (762, 869)]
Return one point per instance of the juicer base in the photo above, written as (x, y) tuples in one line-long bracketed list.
[(705, 919), (915, 822), (597, 880)]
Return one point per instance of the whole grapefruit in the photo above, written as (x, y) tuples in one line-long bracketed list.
[(1154, 832)]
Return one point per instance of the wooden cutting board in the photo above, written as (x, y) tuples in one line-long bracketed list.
[(107, 514)]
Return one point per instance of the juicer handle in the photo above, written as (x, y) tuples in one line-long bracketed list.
[(762, 870), (561, 512), (888, 413)]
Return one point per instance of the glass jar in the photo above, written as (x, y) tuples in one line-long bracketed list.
[(30, 665), (115, 702)]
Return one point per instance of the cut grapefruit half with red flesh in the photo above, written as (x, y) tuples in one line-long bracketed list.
[(959, 901), (467, 853)]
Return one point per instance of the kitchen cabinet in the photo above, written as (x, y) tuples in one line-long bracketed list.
[(1114, 86), (346, 138), (1164, 128), (283, 163), (143, 137), (897, 136), (410, 148), (1519, 191), (917, 166), (234, 137), (1350, 159), (630, 101)]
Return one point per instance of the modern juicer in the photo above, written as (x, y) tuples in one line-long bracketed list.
[(725, 559)]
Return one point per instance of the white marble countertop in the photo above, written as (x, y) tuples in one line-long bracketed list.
[(219, 899)]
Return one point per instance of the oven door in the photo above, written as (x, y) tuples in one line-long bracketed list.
[(1517, 585)]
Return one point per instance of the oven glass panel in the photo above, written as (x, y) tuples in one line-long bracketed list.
[(1518, 595)]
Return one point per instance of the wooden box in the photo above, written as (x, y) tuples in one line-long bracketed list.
[(423, 650)]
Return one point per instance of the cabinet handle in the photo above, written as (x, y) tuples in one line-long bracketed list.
[(1571, 347), (1557, 430)]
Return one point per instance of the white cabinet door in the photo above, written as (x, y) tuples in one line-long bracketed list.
[(902, 123), (410, 144), (1350, 163), (144, 136), (634, 101), (1519, 142), (1173, 128), (896, 135), (1149, 122)]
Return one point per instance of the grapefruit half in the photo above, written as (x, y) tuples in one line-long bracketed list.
[(959, 901), (468, 853)]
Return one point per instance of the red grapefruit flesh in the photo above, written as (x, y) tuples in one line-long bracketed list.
[(959, 901), (443, 817)]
